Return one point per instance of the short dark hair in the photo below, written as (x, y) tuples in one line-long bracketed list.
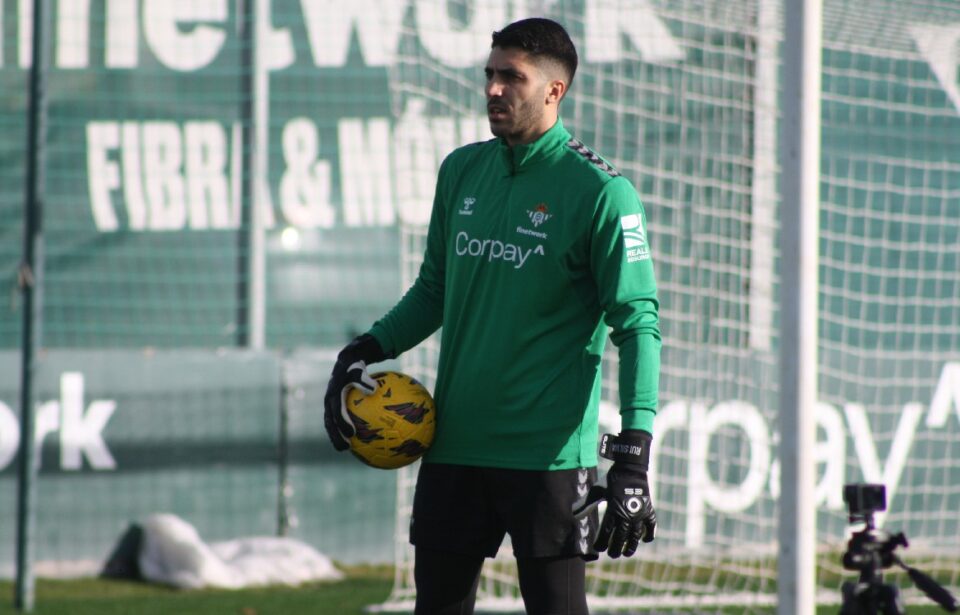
[(540, 37)]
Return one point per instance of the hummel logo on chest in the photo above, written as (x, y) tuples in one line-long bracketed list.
[(467, 208)]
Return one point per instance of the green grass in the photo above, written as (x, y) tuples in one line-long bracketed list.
[(363, 586)]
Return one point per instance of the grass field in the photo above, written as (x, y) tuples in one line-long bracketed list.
[(363, 586)]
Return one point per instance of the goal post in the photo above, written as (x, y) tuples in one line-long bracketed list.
[(684, 98), (800, 162)]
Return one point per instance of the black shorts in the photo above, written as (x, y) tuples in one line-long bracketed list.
[(468, 510)]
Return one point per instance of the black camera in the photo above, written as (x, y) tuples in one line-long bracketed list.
[(864, 499), (870, 551)]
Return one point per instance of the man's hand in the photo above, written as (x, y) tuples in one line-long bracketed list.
[(630, 517), (349, 372)]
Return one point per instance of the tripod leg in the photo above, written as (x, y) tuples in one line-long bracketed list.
[(890, 601), (853, 594)]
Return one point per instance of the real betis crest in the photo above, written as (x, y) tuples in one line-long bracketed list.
[(538, 215)]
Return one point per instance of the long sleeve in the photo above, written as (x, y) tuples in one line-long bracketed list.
[(623, 269), (420, 311)]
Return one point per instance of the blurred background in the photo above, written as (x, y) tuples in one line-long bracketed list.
[(233, 190)]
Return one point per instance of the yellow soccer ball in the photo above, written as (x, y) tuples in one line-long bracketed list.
[(395, 424)]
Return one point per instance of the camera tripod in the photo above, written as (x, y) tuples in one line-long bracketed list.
[(869, 551)]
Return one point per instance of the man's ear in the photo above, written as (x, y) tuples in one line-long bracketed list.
[(556, 88)]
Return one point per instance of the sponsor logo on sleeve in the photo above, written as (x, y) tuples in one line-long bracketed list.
[(634, 238)]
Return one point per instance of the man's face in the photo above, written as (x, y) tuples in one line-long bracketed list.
[(517, 96)]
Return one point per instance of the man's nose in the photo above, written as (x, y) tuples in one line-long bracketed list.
[(494, 88)]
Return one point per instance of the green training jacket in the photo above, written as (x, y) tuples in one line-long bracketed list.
[(532, 252)]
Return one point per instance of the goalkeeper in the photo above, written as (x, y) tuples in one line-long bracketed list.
[(535, 247)]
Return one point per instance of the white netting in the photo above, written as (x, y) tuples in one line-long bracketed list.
[(682, 96)]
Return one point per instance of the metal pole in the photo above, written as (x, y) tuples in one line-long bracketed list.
[(288, 392), (764, 185), (800, 181), (31, 286), (261, 201), (251, 316), (261, 195), (251, 288), (245, 202)]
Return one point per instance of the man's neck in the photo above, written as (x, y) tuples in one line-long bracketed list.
[(530, 138)]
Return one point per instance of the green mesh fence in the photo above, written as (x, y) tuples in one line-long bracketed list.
[(146, 235), (152, 295)]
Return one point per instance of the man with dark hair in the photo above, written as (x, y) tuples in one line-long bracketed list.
[(544, 40), (536, 246)]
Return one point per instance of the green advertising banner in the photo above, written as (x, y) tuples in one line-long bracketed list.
[(154, 106), (173, 125), (232, 442)]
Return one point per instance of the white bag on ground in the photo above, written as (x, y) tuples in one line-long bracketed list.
[(172, 553)]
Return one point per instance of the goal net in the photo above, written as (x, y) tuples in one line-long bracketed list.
[(682, 96)]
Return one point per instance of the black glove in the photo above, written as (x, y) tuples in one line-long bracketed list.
[(630, 517), (350, 371)]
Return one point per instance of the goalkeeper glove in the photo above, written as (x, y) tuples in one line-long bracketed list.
[(630, 517), (349, 372)]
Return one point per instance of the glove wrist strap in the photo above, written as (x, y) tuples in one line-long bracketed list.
[(632, 448), (364, 348)]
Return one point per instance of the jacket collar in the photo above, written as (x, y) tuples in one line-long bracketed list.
[(518, 158)]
